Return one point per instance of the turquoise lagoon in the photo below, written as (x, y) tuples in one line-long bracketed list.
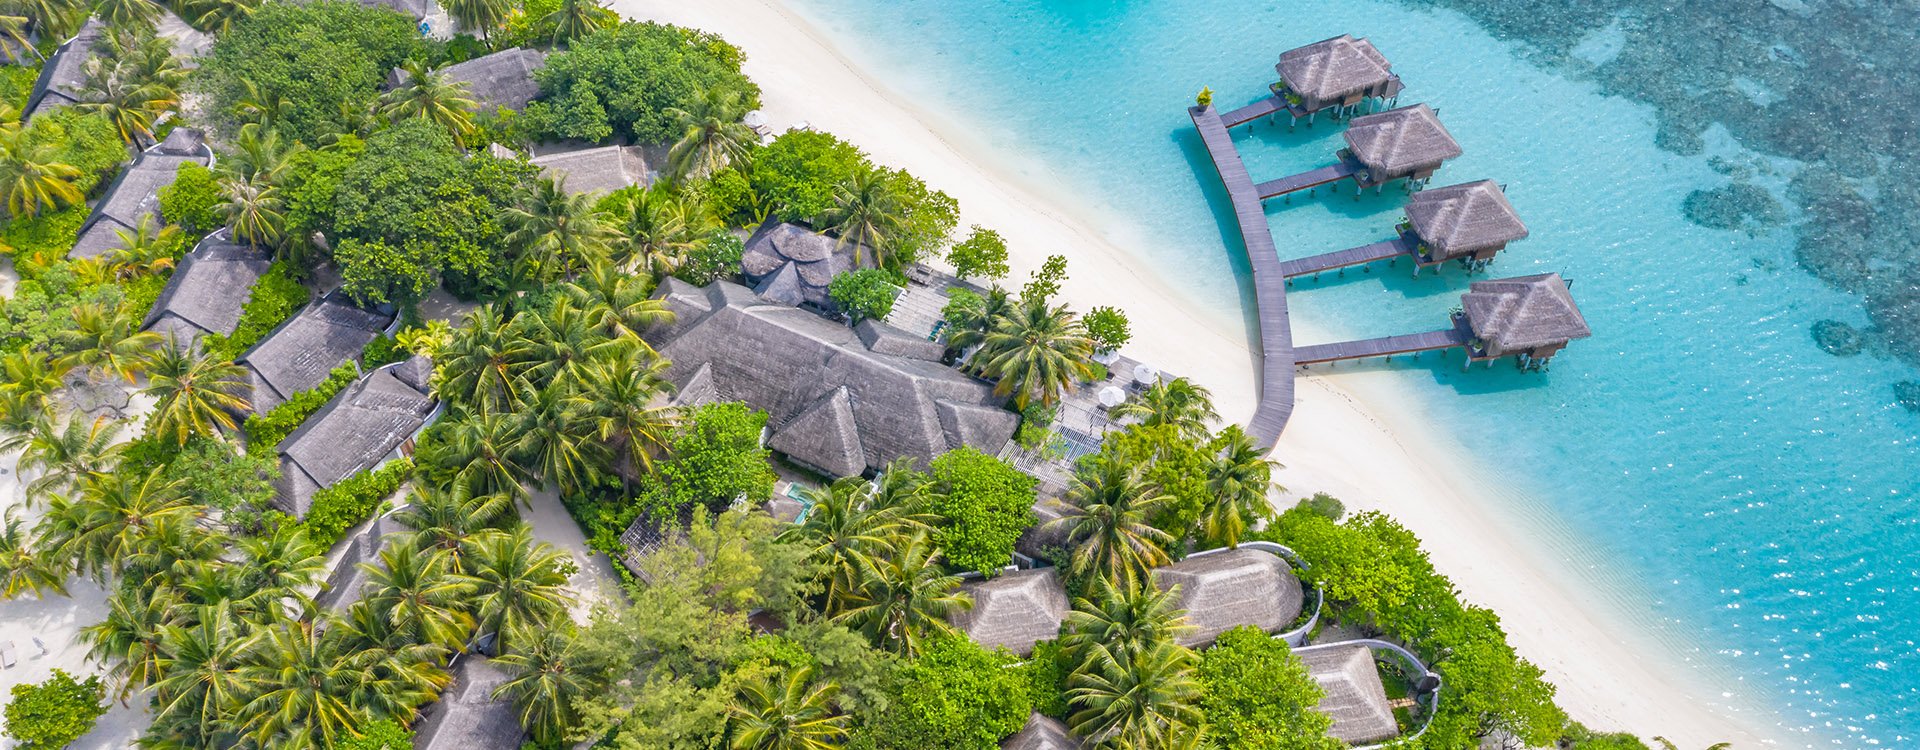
[(1758, 490)]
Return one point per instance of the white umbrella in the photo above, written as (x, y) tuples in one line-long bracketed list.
[(755, 119), (1105, 358), (1146, 375), (1111, 396)]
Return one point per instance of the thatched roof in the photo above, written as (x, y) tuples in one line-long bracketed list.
[(418, 10), (364, 424), (468, 717), (1330, 70), (1225, 589), (207, 291), (1041, 733), (1354, 696), (1044, 537), (601, 169), (135, 194), (64, 76), (501, 79), (1014, 610), (834, 404), (344, 584), (1459, 220), (301, 352), (1523, 313), (1401, 141), (791, 264)]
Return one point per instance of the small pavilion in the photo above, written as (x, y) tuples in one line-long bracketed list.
[(1408, 142), (1528, 317), (1341, 73), (1224, 590), (1468, 223)]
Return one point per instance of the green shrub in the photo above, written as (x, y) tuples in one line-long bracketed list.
[(731, 197), (625, 80), (1046, 279), (714, 258), (956, 696), (1325, 505), (1047, 671), (1256, 694), (797, 173), (353, 500), (384, 734), (326, 60), (52, 714), (140, 294), (863, 294), (1108, 328), (382, 351), (265, 431), (982, 504), (16, 85), (190, 200), (274, 299), (982, 254), (49, 235)]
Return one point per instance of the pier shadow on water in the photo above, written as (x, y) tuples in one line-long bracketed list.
[(1444, 368), (1194, 153)]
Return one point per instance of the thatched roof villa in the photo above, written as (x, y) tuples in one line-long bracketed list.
[(841, 401), (498, 80), (207, 291), (365, 424), (792, 265), (598, 169), (1014, 610), (1355, 698), (345, 582), (64, 76), (301, 353), (1041, 733), (1406, 142), (1224, 589), (1529, 316), (135, 194), (1470, 221), (467, 716), (1338, 72)]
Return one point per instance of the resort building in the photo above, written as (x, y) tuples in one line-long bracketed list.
[(1469, 222), (1014, 610), (843, 401), (301, 353), (1406, 142), (1342, 72), (1227, 588), (1355, 697), (345, 583), (1041, 733), (434, 21), (501, 80), (368, 423), (467, 716), (64, 76), (1529, 317), (792, 265), (600, 169), (207, 291), (135, 194)]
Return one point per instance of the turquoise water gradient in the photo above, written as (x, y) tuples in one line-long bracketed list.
[(1760, 489)]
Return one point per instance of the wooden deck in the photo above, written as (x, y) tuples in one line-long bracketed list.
[(1353, 256), (1310, 179), (1269, 282), (1257, 110), (1458, 336)]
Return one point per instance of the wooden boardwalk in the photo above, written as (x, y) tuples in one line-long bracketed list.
[(1310, 179), (1458, 336), (1353, 256), (1269, 282), (1255, 111)]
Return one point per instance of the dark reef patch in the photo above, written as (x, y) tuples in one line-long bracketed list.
[(1838, 339), (1907, 394), (1741, 205)]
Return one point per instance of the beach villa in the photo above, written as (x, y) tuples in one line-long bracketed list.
[(1041, 733), (369, 422), (1014, 610), (208, 290), (303, 351), (500, 80), (468, 716), (135, 194), (792, 264), (64, 76)]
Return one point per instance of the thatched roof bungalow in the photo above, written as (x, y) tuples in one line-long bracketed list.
[(838, 404), (135, 194), (792, 265), (1355, 698), (1533, 316), (64, 76), (1338, 72), (600, 169), (207, 291), (368, 422), (467, 716), (499, 80), (1471, 221), (345, 582), (1041, 733), (1224, 589), (301, 353), (1014, 610), (1406, 142)]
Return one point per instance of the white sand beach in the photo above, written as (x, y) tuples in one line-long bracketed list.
[(1561, 610)]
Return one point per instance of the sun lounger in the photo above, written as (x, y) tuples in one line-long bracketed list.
[(6, 654)]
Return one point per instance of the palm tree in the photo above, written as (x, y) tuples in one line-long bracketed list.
[(260, 107), (1037, 352), (1105, 516), (260, 155), (57, 19), (127, 13), (449, 518), (546, 676), (976, 317), (519, 586), (431, 96), (201, 674), (116, 516), (866, 212), (22, 570), (217, 17), (482, 363), (30, 379), (108, 341), (193, 395), (621, 394), (848, 522), (1179, 402), (479, 15), (1136, 702), (478, 446), (422, 593), (280, 565), (553, 441), (711, 133), (131, 640), (577, 19), (620, 302), (31, 177), (563, 337), (556, 231), (147, 250), (1237, 481), (309, 690), (67, 455), (1121, 621), (903, 596), (253, 213), (794, 713), (660, 226), (133, 106)]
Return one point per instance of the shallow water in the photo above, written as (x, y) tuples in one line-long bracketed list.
[(1760, 489)]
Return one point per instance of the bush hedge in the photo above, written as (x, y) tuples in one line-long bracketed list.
[(190, 200), (352, 500), (265, 431)]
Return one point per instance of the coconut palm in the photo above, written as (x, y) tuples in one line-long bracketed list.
[(711, 133), (308, 689), (23, 571), (127, 13), (217, 17), (786, 712), (132, 105), (108, 341), (482, 364), (976, 317), (479, 447), (1037, 352), (557, 232), (1179, 403), (145, 58), (620, 303), (546, 674), (902, 596), (564, 337), (660, 226), (1238, 477), (31, 176), (847, 523), (554, 442), (479, 15), (30, 379), (131, 641), (57, 19), (621, 395), (449, 518), (66, 455), (260, 107), (145, 251), (1121, 620), (1105, 517), (193, 395), (429, 95), (114, 516), (14, 44), (518, 585), (201, 680), (280, 564), (253, 213), (866, 212), (421, 593), (260, 155), (1138, 701), (577, 19)]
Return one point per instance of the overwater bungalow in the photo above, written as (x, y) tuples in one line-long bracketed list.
[(1042, 732), (135, 193), (1529, 318), (1224, 589), (501, 80), (1014, 610), (369, 422), (1407, 142), (207, 291), (64, 76), (302, 352), (1468, 223), (1341, 73), (468, 716)]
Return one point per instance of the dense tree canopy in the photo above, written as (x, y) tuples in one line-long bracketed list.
[(310, 64), (623, 80), (1257, 695), (954, 695), (982, 505)]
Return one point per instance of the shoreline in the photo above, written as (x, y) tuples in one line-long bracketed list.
[(1348, 439)]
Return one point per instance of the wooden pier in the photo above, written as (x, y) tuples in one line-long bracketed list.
[(1353, 256), (1311, 179), (1457, 337), (1269, 281), (1257, 110)]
